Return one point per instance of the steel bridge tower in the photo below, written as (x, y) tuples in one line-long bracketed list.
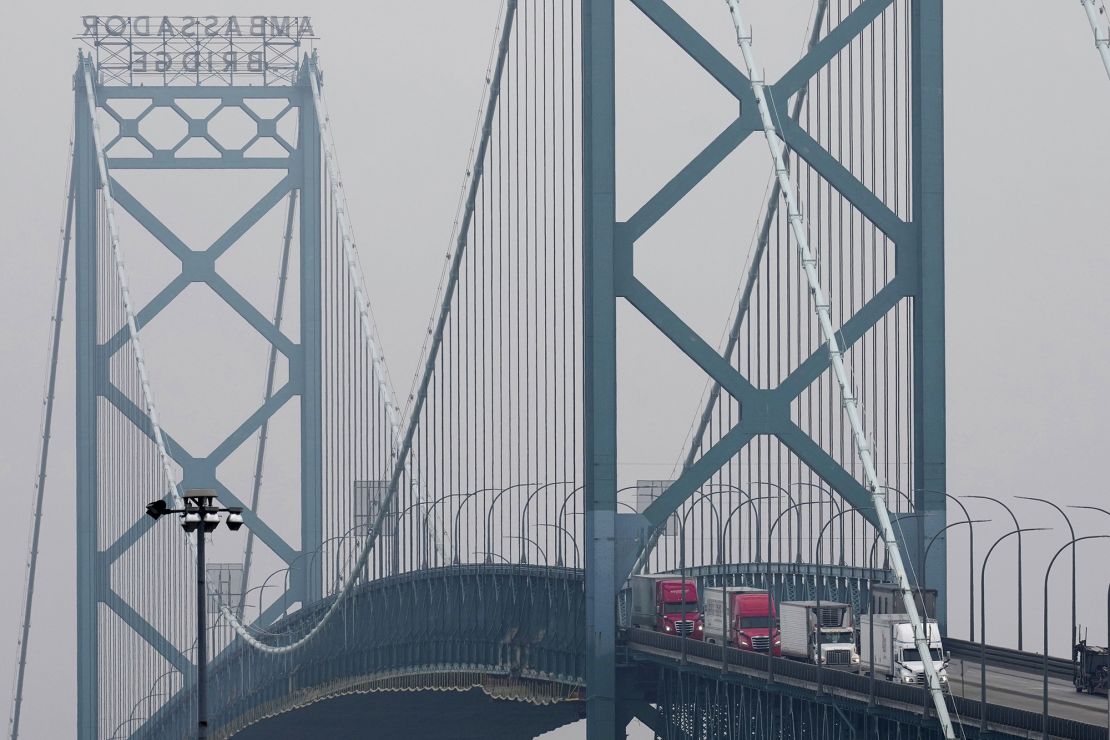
[(608, 258), (282, 72)]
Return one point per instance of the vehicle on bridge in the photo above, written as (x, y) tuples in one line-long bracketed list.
[(750, 622), (1092, 669), (896, 656), (805, 625), (665, 603)]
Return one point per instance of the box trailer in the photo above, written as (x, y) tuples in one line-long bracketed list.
[(804, 625), (896, 656), (752, 619), (663, 602)]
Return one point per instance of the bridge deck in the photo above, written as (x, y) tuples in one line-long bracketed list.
[(1013, 696)]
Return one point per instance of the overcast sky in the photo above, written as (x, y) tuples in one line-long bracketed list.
[(1027, 187)]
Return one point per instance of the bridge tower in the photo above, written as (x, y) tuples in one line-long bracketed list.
[(132, 576), (912, 229)]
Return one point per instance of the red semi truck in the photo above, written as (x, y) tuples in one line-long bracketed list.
[(751, 617), (664, 603)]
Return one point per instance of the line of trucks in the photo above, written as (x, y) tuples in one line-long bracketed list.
[(823, 633)]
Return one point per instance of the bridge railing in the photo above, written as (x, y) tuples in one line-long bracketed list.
[(846, 684)]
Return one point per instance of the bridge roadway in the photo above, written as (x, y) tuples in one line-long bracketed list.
[(466, 638), (1014, 697)]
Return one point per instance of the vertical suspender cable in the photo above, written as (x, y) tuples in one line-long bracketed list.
[(402, 450), (125, 292), (347, 237), (1102, 36), (271, 369), (44, 454), (847, 396), (752, 275)]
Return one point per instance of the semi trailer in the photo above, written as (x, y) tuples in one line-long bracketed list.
[(896, 657), (666, 603), (822, 633), (750, 621)]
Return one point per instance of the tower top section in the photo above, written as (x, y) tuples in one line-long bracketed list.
[(202, 50)]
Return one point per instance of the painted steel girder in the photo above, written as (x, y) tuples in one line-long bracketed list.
[(762, 411)]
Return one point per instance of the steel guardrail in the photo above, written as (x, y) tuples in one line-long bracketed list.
[(1004, 657), (1001, 717)]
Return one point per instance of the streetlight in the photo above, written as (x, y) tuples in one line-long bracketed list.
[(983, 625), (871, 610), (1107, 513), (200, 515), (770, 537), (682, 562), (817, 592), (489, 513), (1020, 579), (532, 495), (458, 513), (794, 505), (1074, 636), (971, 546), (839, 508), (524, 541), (1044, 661), (758, 527), (561, 530), (970, 563)]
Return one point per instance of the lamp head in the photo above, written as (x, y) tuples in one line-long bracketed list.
[(235, 518), (155, 509), (191, 521)]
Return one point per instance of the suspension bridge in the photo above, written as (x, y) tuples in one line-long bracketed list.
[(463, 551)]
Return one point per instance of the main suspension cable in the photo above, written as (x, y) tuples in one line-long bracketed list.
[(64, 233), (406, 443), (850, 403), (1102, 35)]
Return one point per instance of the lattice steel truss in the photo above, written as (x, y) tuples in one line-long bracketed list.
[(762, 408), (105, 600)]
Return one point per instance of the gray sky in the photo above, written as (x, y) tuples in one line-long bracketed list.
[(1026, 193)]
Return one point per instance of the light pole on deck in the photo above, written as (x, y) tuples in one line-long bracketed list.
[(200, 514)]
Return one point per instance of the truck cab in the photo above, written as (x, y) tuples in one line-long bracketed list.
[(755, 622), (822, 633), (678, 613), (896, 655), (665, 603), (751, 614)]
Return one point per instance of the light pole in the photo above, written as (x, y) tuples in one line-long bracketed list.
[(1107, 513), (839, 508), (1071, 529), (970, 563), (771, 536), (1044, 661), (458, 513), (794, 505), (200, 515), (489, 513), (1020, 579), (971, 545), (532, 495), (561, 530), (871, 611), (817, 593), (983, 625), (758, 524)]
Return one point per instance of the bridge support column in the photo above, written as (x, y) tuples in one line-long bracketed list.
[(600, 366), (930, 426), (312, 475), (88, 376)]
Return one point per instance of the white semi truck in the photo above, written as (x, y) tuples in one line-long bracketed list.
[(896, 656), (805, 624)]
